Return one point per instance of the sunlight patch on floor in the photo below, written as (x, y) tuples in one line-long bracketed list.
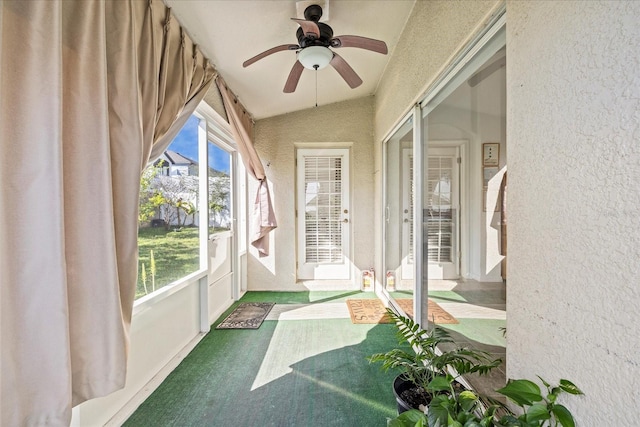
[(300, 345), (338, 310), (346, 393), (470, 311)]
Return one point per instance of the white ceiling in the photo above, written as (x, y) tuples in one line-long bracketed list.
[(232, 31)]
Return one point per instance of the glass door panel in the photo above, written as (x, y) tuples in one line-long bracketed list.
[(399, 265)]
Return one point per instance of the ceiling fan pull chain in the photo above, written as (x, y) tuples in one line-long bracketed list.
[(316, 67)]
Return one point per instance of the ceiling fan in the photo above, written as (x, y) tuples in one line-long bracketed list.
[(314, 42)]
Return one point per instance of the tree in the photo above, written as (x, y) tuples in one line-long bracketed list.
[(166, 197), (219, 191), (177, 192), (189, 209), (149, 201)]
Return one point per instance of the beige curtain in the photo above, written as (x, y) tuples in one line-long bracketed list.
[(89, 90), (263, 217)]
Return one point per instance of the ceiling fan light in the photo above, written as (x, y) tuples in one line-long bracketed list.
[(315, 57)]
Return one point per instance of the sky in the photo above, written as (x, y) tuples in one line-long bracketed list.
[(186, 143)]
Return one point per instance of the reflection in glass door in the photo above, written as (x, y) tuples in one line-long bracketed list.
[(398, 218), (407, 271), (442, 186)]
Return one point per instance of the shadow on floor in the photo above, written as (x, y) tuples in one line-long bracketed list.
[(287, 373)]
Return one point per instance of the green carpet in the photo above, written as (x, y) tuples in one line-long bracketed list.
[(287, 373)]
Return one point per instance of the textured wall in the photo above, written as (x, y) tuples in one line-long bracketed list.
[(345, 122), (573, 98), (435, 31)]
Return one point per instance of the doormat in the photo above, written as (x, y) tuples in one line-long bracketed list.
[(247, 315), (367, 311), (373, 311), (436, 313)]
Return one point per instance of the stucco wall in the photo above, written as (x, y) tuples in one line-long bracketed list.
[(573, 99), (434, 33), (345, 122)]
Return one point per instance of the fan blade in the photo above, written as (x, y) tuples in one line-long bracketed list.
[(309, 28), (269, 52), (294, 76), (345, 70), (360, 42)]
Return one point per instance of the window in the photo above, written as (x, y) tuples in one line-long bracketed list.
[(168, 236), (219, 162), (187, 195)]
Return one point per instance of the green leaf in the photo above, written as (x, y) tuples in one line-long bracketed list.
[(523, 392), (509, 420), (439, 383), (410, 418), (563, 416), (546, 384), (570, 387), (538, 412), (438, 413), (467, 400)]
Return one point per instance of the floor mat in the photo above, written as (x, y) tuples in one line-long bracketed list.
[(436, 313), (373, 311), (247, 315), (367, 311)]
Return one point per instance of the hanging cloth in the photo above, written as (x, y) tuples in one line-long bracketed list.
[(263, 218)]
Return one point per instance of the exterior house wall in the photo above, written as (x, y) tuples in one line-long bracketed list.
[(345, 122), (573, 108)]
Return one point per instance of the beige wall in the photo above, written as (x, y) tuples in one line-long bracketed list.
[(573, 99), (345, 122), (434, 33)]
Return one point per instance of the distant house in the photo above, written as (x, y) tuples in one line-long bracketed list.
[(175, 164)]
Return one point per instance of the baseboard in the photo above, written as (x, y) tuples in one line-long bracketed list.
[(130, 407)]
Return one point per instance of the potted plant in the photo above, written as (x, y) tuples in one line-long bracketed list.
[(419, 360), (449, 407), (465, 409), (538, 410)]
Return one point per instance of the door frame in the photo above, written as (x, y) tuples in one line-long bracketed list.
[(462, 236), (316, 150)]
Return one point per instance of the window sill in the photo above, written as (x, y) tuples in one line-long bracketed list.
[(148, 301)]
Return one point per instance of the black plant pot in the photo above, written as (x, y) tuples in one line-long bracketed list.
[(400, 384)]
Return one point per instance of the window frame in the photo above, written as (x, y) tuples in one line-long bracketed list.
[(211, 128)]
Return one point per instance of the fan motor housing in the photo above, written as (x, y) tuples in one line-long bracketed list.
[(326, 34)]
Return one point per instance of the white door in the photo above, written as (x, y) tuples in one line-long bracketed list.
[(323, 214), (407, 214), (443, 210)]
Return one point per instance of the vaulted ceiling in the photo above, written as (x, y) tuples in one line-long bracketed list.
[(231, 31)]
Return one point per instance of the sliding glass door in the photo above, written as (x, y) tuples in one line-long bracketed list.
[(399, 257), (441, 202)]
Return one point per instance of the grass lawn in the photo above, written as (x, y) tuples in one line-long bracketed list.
[(176, 254)]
